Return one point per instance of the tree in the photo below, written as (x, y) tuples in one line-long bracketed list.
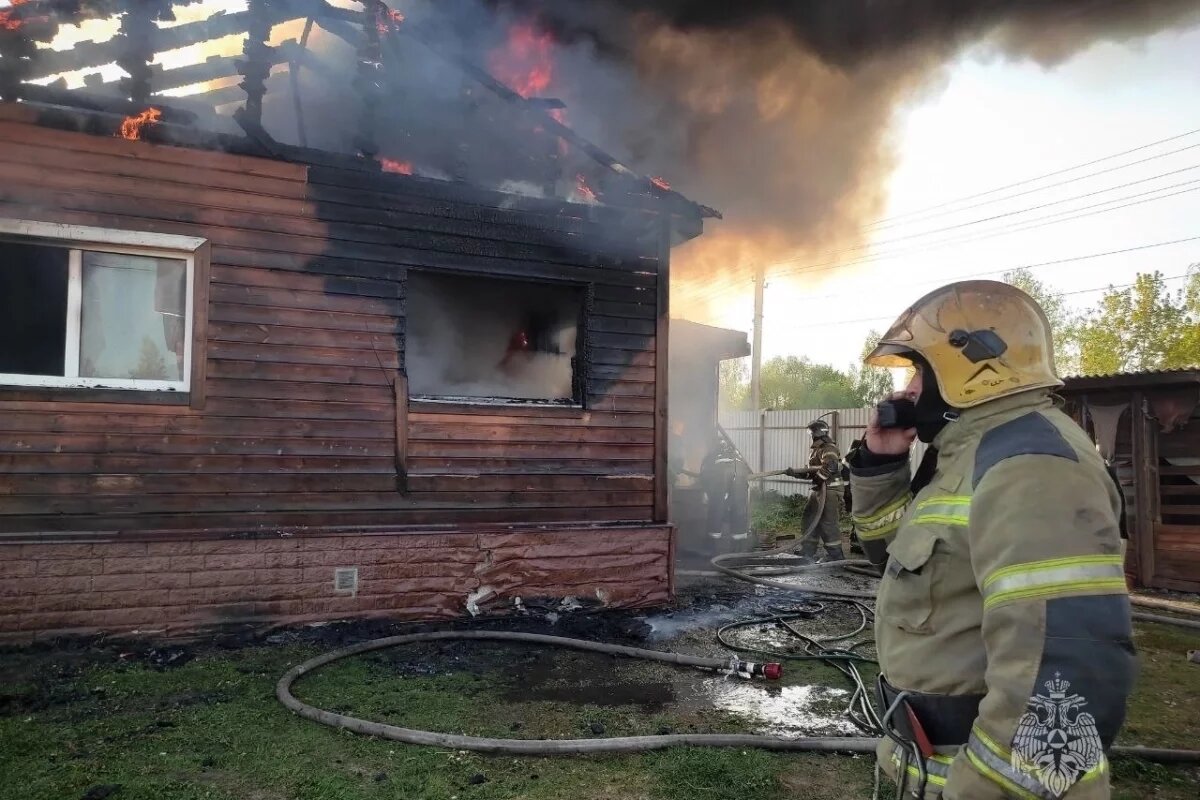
[(791, 382), (1062, 322), (151, 365), (870, 383), (1142, 327), (734, 384)]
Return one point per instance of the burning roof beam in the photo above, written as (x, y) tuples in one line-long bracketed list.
[(541, 117), (135, 43), (367, 81), (55, 96), (255, 68)]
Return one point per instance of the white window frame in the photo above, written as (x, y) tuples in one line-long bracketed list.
[(76, 239)]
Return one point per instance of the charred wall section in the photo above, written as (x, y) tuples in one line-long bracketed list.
[(301, 426)]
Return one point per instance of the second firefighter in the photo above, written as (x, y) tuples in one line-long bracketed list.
[(822, 512)]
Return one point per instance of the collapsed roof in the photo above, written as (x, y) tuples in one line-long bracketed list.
[(355, 80)]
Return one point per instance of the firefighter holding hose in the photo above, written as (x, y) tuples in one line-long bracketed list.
[(823, 510), (1003, 620)]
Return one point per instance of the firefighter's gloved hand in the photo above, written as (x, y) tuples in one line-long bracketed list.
[(798, 472)]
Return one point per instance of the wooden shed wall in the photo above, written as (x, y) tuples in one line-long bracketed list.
[(1177, 527), (306, 335)]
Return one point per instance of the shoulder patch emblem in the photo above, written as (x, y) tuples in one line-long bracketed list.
[(1056, 740), (1031, 434)]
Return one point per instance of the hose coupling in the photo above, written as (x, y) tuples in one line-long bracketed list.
[(771, 671)]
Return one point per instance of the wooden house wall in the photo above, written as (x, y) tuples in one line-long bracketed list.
[(306, 337), (1177, 528)]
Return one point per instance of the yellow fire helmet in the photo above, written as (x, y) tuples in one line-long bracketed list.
[(983, 339)]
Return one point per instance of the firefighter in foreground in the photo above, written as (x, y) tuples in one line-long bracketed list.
[(819, 522), (1003, 620)]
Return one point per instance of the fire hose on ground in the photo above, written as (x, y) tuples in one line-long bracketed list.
[(620, 744), (773, 562)]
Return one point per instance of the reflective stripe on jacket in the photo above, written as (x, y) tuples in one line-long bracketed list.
[(1005, 578)]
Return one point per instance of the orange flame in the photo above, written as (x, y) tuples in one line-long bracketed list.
[(525, 63), (8, 18), (396, 167), (661, 183), (585, 192), (131, 127), (388, 21)]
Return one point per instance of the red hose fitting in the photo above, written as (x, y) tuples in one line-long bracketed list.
[(773, 671)]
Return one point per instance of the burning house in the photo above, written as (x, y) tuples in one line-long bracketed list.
[(345, 324)]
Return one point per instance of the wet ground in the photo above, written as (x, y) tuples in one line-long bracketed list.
[(808, 701)]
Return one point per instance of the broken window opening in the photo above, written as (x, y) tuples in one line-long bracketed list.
[(94, 317), (489, 339)]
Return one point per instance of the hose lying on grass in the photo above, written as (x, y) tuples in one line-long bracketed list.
[(621, 744)]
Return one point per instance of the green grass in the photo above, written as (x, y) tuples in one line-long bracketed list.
[(213, 729)]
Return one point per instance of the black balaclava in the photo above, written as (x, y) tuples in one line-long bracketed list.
[(932, 408)]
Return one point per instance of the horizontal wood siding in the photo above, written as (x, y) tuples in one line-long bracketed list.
[(305, 339), (1177, 530)]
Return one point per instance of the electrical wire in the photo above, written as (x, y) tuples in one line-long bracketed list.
[(949, 279), (939, 282), (1070, 259), (1053, 174), (709, 293), (994, 217)]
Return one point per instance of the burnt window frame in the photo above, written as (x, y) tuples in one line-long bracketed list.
[(76, 239), (581, 363)]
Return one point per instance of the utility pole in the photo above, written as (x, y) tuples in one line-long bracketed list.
[(760, 274)]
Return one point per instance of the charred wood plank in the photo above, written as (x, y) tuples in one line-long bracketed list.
[(109, 105), (135, 45), (255, 68), (95, 54)]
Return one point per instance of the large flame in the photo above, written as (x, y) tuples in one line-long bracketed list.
[(525, 62), (131, 127), (9, 21)]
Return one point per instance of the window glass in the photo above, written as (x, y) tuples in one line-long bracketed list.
[(33, 308), (133, 321)]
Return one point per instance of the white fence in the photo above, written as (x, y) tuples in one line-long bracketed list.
[(771, 440)]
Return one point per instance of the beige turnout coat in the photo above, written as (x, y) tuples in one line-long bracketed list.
[(1005, 580)]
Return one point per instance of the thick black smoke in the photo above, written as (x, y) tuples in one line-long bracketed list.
[(848, 32), (777, 112)]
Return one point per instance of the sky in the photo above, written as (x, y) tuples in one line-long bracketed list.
[(991, 124)]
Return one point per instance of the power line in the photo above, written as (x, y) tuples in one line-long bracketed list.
[(994, 217), (951, 279), (1021, 227), (1055, 173), (1067, 215)]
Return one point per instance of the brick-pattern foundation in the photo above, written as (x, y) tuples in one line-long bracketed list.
[(167, 587)]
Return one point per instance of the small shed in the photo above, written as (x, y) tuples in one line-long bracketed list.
[(694, 377), (1147, 424)]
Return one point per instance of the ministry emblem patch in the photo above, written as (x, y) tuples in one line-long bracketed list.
[(1056, 740)]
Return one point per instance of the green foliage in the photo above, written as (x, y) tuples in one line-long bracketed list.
[(871, 384), (213, 730), (734, 382), (790, 382), (1142, 327)]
